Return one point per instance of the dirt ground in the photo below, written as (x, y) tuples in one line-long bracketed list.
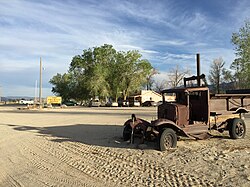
[(84, 147)]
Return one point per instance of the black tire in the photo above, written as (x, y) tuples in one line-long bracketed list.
[(167, 139), (237, 128), (127, 132)]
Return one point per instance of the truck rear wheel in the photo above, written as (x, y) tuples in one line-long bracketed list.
[(237, 128), (167, 139)]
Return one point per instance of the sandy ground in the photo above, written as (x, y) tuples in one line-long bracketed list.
[(84, 147)]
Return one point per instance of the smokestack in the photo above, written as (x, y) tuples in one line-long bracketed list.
[(198, 69)]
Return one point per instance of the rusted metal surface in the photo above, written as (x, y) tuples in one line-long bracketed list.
[(166, 123), (196, 128), (138, 128), (199, 76), (189, 114), (230, 98), (185, 90)]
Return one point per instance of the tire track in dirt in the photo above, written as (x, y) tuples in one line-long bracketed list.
[(217, 159), (49, 161), (45, 168), (8, 180), (97, 163), (108, 165), (35, 166)]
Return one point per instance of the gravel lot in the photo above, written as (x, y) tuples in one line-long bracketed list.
[(83, 147)]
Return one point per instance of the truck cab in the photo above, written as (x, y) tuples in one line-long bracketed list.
[(191, 106)]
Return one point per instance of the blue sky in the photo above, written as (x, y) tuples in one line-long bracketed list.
[(166, 32)]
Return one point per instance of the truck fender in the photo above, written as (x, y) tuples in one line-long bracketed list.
[(165, 123), (135, 126), (241, 110), (137, 122)]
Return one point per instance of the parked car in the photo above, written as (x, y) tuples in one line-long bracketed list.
[(95, 103), (149, 103), (123, 103), (69, 103), (159, 103), (111, 104), (114, 104), (135, 103), (26, 102)]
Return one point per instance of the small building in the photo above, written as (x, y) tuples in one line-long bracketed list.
[(147, 95)]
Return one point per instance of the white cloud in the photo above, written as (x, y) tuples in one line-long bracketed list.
[(173, 42), (172, 56), (14, 65), (162, 75), (23, 91), (151, 11), (166, 33)]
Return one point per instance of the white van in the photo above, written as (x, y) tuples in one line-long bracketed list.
[(25, 102)]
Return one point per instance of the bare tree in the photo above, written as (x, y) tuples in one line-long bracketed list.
[(176, 76), (149, 79), (160, 85), (216, 73)]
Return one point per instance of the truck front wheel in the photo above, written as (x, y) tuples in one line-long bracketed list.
[(237, 128), (167, 139), (127, 132)]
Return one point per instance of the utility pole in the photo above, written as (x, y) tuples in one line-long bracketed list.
[(0, 95), (36, 88), (40, 84)]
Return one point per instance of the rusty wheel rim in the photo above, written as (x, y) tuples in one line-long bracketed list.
[(168, 140), (239, 129)]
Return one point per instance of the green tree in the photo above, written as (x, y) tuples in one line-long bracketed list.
[(92, 68), (62, 85), (241, 65), (102, 72), (114, 79), (134, 71)]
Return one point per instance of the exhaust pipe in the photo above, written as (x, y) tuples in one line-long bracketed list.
[(198, 69)]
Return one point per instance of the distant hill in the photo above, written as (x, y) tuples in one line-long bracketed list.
[(4, 99), (8, 98)]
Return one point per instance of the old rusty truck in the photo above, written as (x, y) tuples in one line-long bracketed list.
[(188, 115)]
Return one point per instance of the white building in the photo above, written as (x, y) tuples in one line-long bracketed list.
[(148, 95)]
